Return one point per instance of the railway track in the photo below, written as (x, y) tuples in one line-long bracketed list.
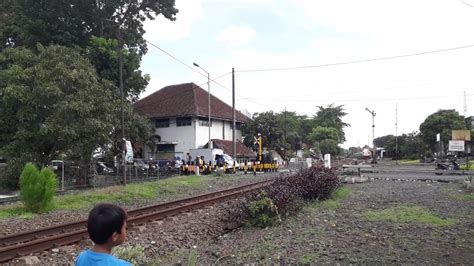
[(24, 243)]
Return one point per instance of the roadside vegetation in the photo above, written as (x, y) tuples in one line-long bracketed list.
[(120, 194), (409, 214), (284, 197), (37, 188), (334, 202), (408, 161)]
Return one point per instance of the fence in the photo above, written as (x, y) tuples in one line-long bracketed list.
[(73, 175)]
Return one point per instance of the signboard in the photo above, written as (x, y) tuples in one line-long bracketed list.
[(128, 152), (456, 145), (461, 135), (327, 160), (438, 137)]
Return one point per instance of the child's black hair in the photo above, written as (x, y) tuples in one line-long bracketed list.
[(105, 220)]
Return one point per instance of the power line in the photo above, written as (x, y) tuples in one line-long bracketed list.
[(188, 66), (369, 100), (356, 61), (195, 70)]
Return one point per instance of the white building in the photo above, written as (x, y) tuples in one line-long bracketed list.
[(180, 119)]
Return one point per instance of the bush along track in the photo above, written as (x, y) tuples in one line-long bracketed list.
[(285, 195)]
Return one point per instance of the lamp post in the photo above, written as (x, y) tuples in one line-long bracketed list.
[(209, 102), (373, 133)]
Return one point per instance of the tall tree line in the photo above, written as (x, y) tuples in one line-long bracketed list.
[(59, 76), (287, 131), (424, 143)]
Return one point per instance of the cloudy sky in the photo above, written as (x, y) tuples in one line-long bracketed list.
[(269, 34)]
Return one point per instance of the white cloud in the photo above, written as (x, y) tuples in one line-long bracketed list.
[(162, 29), (350, 30), (236, 35)]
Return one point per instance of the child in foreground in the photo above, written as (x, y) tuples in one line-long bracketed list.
[(107, 228)]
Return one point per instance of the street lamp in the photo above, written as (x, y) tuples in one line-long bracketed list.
[(373, 133), (209, 102)]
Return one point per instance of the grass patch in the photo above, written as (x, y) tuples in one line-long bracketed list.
[(466, 167), (334, 201), (463, 196), (409, 214), (406, 161), (129, 193)]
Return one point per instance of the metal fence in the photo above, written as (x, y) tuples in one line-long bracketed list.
[(73, 175)]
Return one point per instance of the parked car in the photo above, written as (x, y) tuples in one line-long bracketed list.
[(141, 165), (103, 169)]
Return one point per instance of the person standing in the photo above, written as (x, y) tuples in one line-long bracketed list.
[(196, 164)]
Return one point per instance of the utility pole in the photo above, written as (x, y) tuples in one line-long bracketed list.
[(396, 133), (234, 148), (122, 103), (208, 102), (286, 126), (373, 134)]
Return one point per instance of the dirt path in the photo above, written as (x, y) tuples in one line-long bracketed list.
[(431, 223)]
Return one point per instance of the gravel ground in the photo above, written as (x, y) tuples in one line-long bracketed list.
[(345, 236), (314, 235)]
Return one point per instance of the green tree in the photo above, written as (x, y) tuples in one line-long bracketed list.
[(104, 55), (443, 122), (388, 143), (53, 101), (93, 26), (411, 146), (328, 146), (266, 124), (280, 131), (75, 22), (321, 133), (331, 116), (37, 188), (291, 124)]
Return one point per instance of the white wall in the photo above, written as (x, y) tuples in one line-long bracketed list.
[(194, 136), (202, 132), (183, 136)]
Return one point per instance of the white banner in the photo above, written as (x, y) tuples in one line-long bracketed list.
[(327, 160), (129, 152), (438, 137), (456, 145)]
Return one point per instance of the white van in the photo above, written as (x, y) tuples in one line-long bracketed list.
[(216, 156)]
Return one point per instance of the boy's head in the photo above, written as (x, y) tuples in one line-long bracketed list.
[(107, 224)]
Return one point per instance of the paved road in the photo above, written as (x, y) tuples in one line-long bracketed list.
[(416, 176)]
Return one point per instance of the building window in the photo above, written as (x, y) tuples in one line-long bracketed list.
[(183, 121), (162, 122), (204, 121), (238, 125), (165, 147)]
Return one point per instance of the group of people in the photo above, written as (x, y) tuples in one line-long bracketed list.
[(181, 165)]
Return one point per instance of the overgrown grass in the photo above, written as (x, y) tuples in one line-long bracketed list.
[(466, 167), (334, 201), (129, 193), (409, 214), (407, 161), (463, 196)]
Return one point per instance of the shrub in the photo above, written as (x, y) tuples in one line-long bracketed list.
[(284, 195), (133, 254), (263, 212), (37, 188), (316, 182)]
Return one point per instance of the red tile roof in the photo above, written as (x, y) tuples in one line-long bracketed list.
[(242, 151), (186, 99)]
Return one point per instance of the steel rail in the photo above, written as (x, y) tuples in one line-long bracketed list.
[(139, 216)]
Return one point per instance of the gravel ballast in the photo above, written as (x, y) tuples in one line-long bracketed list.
[(343, 235)]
